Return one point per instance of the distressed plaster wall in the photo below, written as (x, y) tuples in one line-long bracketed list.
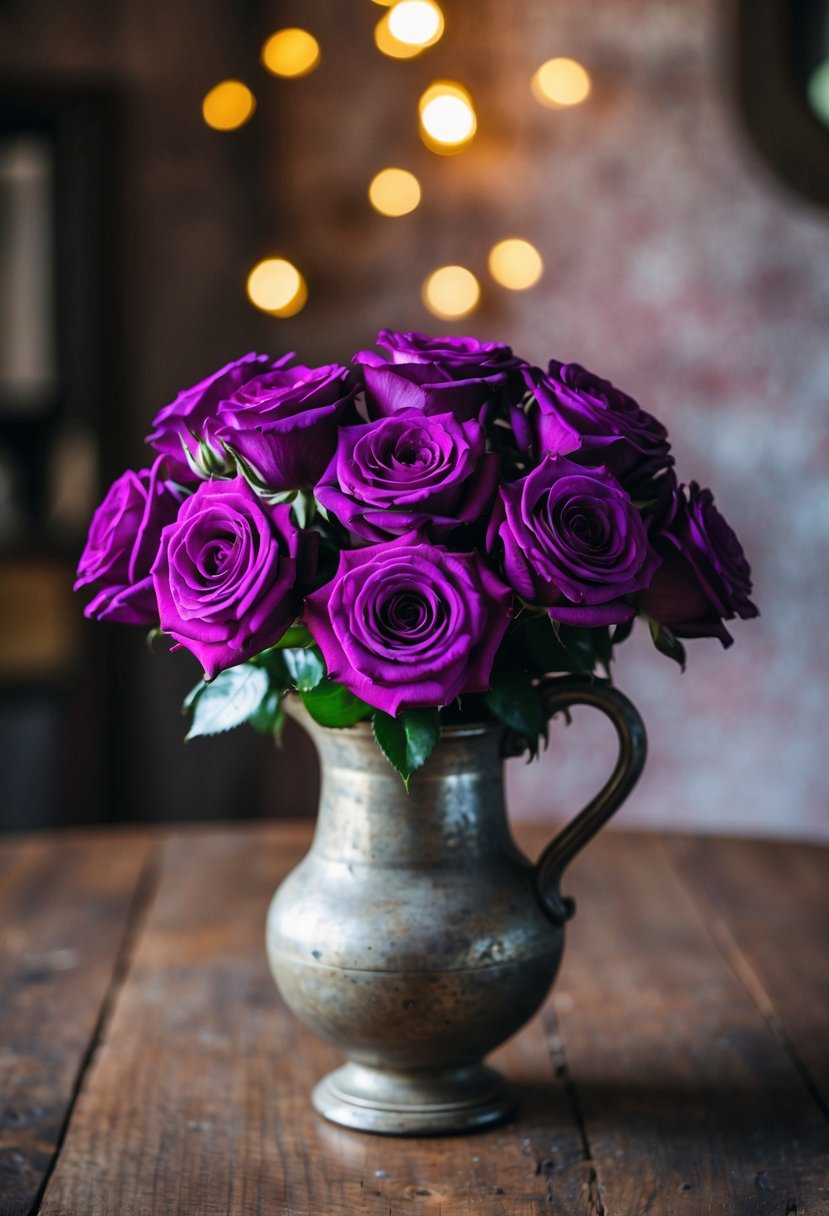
[(675, 264)]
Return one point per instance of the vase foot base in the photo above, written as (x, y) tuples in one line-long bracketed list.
[(413, 1103)]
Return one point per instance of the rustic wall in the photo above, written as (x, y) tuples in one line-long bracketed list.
[(676, 265)]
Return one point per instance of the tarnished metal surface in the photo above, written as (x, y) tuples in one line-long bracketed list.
[(414, 935)]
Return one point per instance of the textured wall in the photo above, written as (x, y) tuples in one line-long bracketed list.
[(676, 265)]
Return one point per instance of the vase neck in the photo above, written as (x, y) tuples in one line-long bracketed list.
[(455, 804)]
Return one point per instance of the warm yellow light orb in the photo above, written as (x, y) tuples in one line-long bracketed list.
[(277, 287), (291, 52), (447, 117), (451, 292), (386, 42), (560, 82), (416, 22), (515, 263), (394, 192), (228, 105)]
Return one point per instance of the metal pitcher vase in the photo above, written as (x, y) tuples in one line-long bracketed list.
[(415, 936)]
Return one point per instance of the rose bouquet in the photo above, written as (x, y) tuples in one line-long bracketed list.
[(416, 540)]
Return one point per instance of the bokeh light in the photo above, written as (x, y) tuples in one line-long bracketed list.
[(292, 52), (394, 192), (416, 22), (451, 292), (277, 287), (228, 105), (386, 42), (447, 117), (819, 91), (560, 82), (515, 264)]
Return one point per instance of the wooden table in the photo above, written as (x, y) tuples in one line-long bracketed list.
[(147, 1065)]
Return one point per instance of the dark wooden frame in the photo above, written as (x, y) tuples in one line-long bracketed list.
[(790, 138)]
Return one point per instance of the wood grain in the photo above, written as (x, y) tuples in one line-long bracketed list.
[(689, 1102), (65, 907), (652, 1082), (198, 1098), (768, 913)]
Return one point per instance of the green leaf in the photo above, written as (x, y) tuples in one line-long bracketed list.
[(193, 696), (622, 632), (407, 741), (556, 647), (304, 508), (268, 717), (514, 700), (602, 646), (293, 637), (229, 700), (305, 667), (273, 661), (667, 643), (332, 704)]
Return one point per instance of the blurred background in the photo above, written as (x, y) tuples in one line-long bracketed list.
[(178, 186)]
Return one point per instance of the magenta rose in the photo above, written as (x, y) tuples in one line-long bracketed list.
[(573, 543), (409, 625), (704, 577), (575, 413), (283, 423), (396, 474), (193, 415), (122, 545), (459, 376), (226, 574)]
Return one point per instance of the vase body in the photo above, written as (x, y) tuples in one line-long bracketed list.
[(411, 936)]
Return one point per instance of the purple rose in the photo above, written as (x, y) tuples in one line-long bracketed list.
[(573, 542), (575, 412), (226, 573), (193, 414), (409, 625), (466, 353), (283, 424), (460, 376), (704, 577), (122, 545), (396, 474)]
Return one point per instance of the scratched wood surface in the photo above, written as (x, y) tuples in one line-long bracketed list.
[(149, 1068)]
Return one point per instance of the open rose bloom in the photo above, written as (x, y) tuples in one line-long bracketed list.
[(417, 539)]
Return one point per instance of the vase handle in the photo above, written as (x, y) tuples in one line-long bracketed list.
[(559, 693)]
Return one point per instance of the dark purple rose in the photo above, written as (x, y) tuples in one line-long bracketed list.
[(226, 573), (193, 414), (704, 577), (409, 625), (460, 376), (122, 545), (573, 542), (396, 474), (283, 424), (579, 414)]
